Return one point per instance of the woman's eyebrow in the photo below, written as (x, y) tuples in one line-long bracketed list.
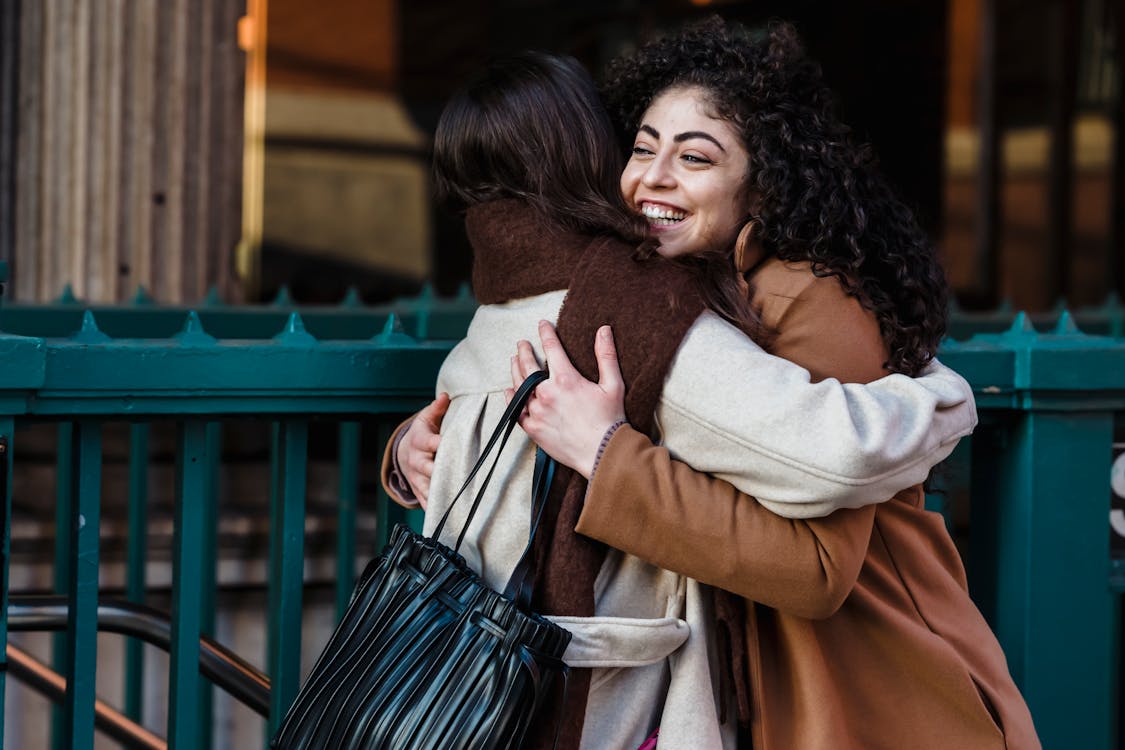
[(681, 137), (650, 130)]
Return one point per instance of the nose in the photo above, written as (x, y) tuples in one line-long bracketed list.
[(658, 174)]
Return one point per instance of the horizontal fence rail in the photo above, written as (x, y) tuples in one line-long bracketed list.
[(1035, 473)]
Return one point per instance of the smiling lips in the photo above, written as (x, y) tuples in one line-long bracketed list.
[(662, 216)]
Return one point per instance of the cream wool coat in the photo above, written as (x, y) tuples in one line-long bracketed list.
[(728, 409)]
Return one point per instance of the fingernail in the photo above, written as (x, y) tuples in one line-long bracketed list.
[(603, 332)]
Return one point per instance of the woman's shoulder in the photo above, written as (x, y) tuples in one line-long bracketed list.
[(779, 284), (817, 323)]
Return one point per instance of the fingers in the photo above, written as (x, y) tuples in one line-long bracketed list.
[(527, 361), (609, 369), (557, 360), (434, 413), (517, 370)]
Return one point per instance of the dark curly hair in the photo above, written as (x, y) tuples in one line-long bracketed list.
[(820, 196)]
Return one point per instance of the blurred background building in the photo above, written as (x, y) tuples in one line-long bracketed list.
[(165, 144)]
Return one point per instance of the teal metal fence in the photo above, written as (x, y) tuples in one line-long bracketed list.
[(1035, 473), (87, 380)]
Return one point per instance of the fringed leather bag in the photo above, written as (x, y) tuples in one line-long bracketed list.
[(428, 657)]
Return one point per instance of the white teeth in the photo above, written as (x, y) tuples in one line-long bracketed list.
[(662, 216)]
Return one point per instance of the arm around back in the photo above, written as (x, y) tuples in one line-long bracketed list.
[(643, 502), (805, 448)]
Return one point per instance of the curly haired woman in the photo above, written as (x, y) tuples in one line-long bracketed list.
[(849, 632), (531, 190)]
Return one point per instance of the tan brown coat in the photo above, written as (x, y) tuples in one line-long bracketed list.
[(859, 628)]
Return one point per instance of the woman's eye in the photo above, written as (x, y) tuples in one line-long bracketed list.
[(694, 159), (641, 151)]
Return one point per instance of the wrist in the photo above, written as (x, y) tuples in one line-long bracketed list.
[(597, 456)]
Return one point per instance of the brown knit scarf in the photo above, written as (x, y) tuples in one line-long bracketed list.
[(650, 305)]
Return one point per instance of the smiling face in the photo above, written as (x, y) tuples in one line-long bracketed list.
[(687, 175)]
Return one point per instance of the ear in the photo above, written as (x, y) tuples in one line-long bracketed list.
[(748, 250)]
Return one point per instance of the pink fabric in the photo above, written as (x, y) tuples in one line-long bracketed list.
[(650, 743)]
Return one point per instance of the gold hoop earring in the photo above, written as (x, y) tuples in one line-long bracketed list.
[(747, 250)]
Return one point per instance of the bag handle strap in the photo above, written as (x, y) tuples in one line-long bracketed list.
[(520, 585), (503, 430)]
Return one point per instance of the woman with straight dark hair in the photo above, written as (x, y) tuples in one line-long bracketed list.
[(528, 152)]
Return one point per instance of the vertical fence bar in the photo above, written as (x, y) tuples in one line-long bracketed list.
[(82, 598), (136, 556), (1057, 623), (7, 432), (287, 563), (183, 718), (348, 492), (64, 490), (209, 575)]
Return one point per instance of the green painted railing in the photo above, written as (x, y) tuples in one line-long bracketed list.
[(1036, 473), (88, 379)]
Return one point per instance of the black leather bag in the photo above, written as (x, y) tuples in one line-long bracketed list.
[(429, 657)]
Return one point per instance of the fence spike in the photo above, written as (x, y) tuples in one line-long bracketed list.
[(141, 296), (392, 333), (89, 333), (283, 298), (294, 332), (212, 298), (393, 324), (67, 297), (351, 298), (427, 291), (1021, 327), (1066, 324), (193, 332), (464, 292)]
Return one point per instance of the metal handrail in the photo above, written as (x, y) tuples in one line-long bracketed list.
[(242, 680), (41, 678)]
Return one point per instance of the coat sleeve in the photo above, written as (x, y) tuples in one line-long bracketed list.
[(805, 448), (643, 502), (393, 483)]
